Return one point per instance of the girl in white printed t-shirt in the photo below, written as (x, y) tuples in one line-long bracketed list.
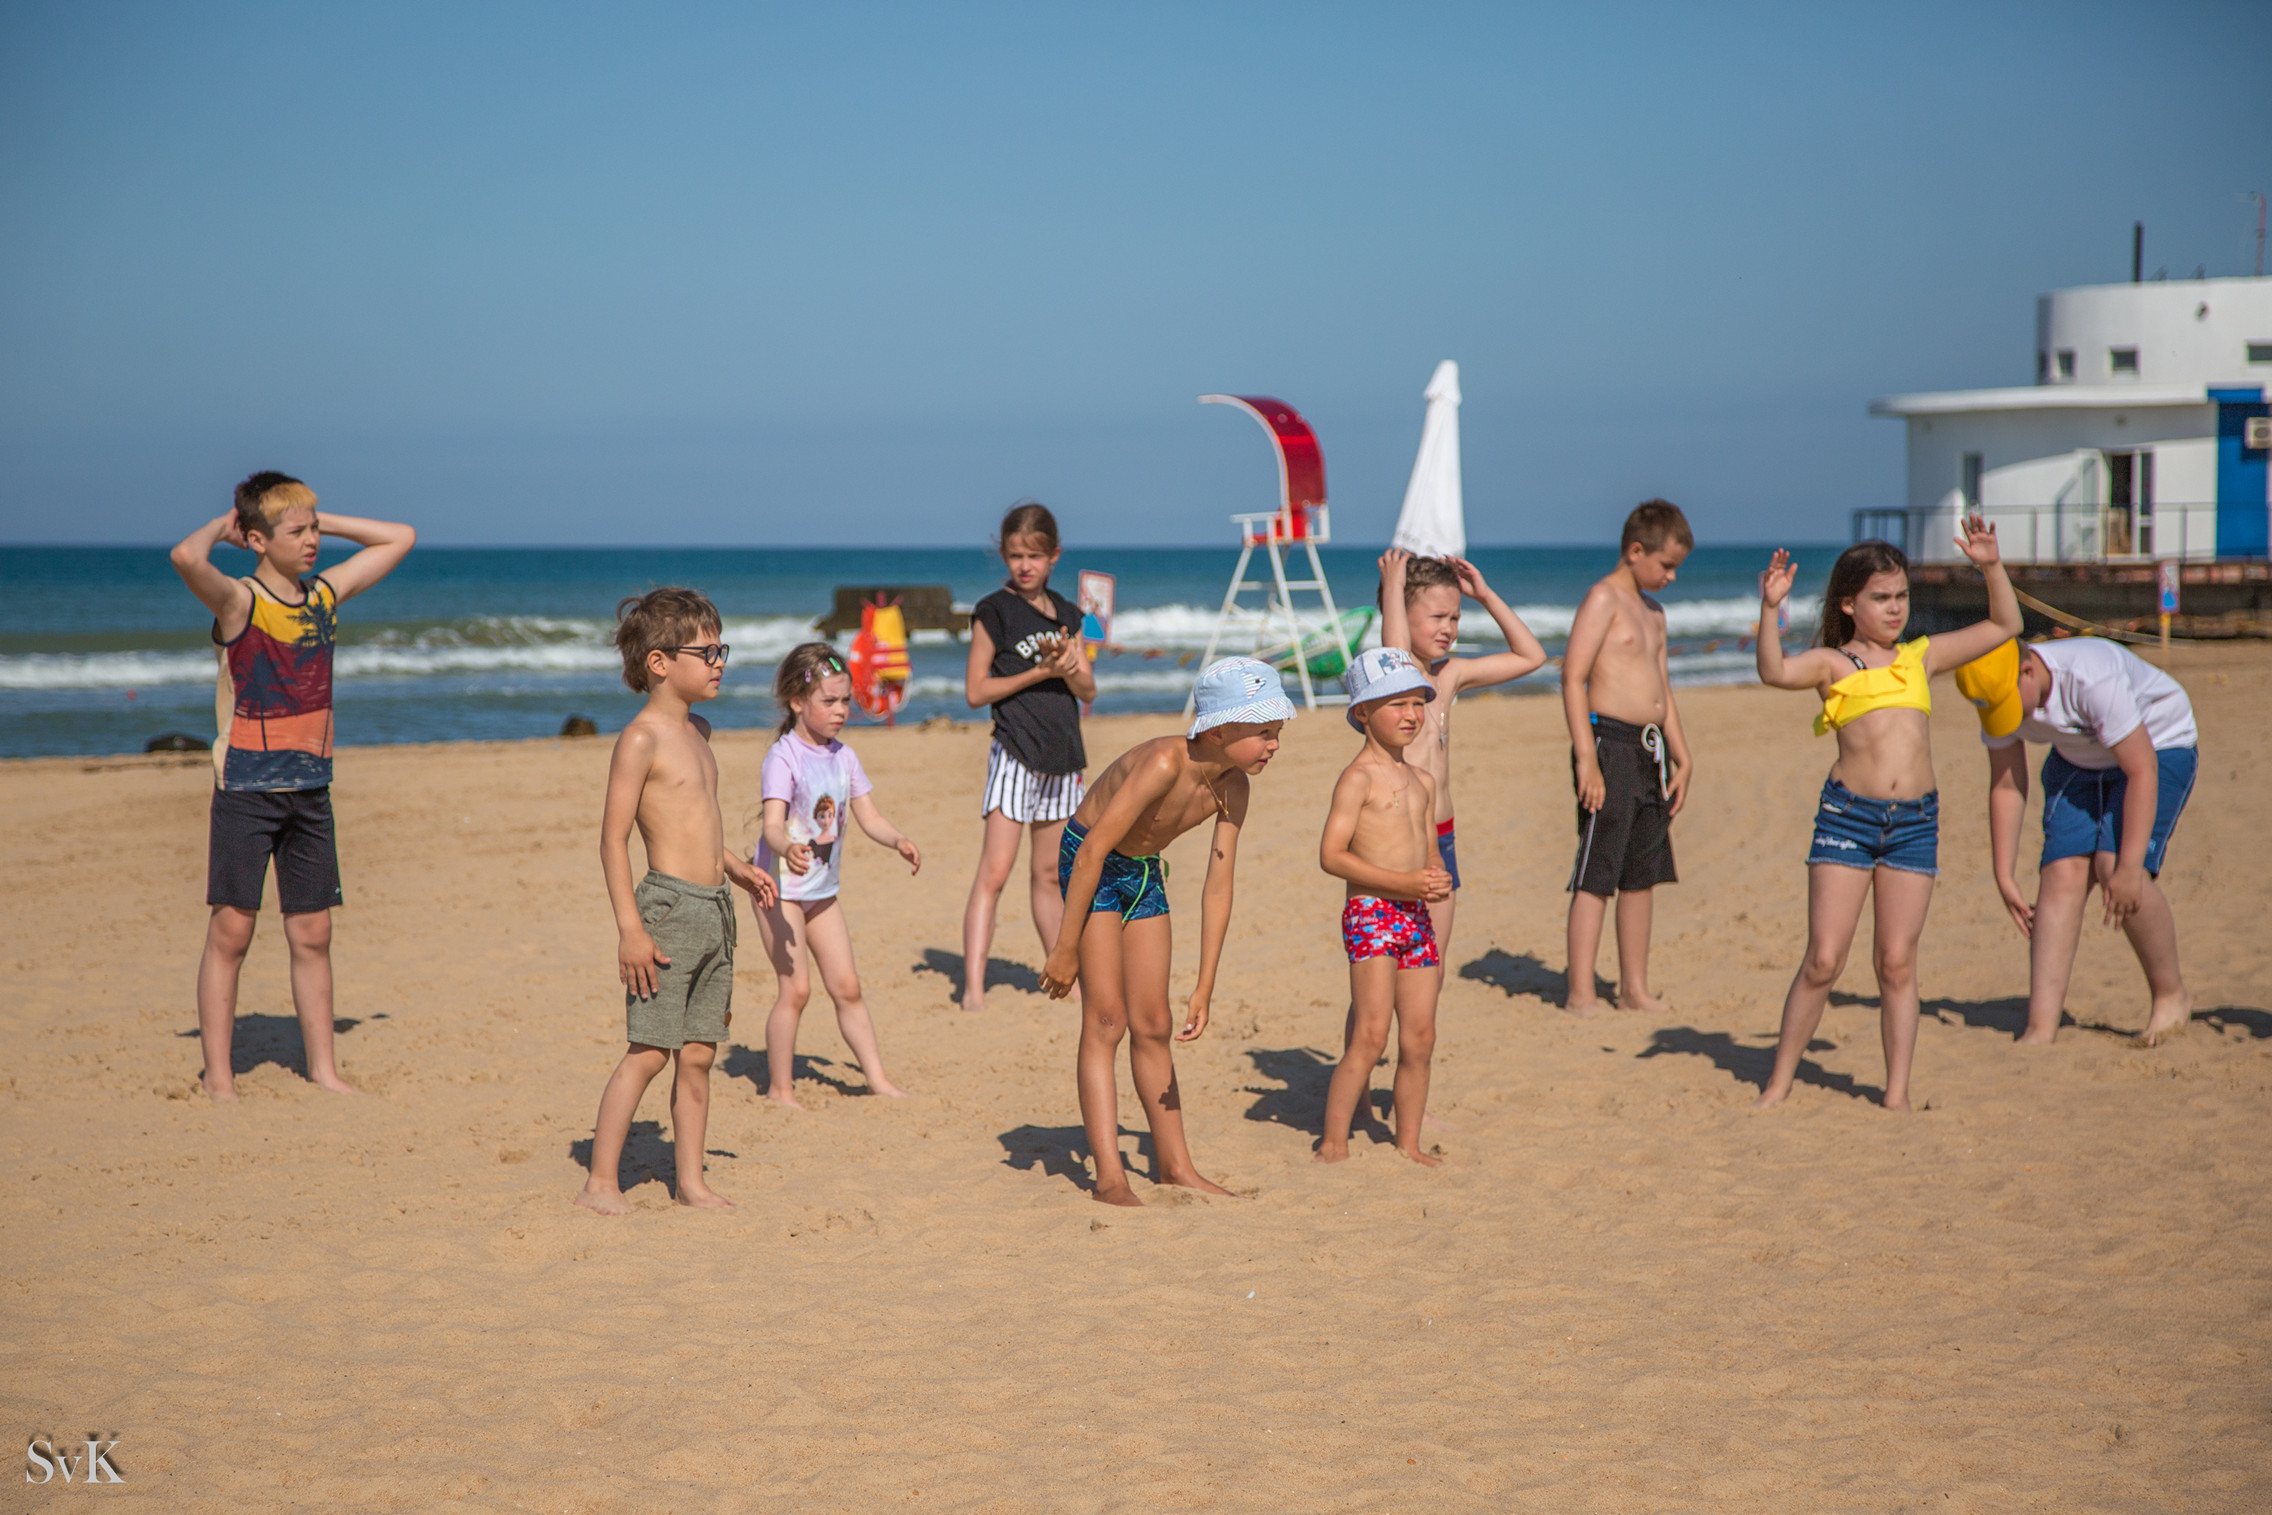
[(811, 782)]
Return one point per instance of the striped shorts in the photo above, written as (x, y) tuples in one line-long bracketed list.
[(1026, 796)]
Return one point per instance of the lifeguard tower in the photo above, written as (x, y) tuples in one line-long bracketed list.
[(1317, 636)]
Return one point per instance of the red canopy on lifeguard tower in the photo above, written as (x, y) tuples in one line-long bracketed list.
[(1301, 467)]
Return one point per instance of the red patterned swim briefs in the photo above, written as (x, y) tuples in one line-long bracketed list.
[(1389, 928)]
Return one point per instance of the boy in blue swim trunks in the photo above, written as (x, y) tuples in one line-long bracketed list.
[(1115, 938), (1380, 838), (2124, 748)]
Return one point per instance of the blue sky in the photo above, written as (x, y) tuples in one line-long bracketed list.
[(574, 273)]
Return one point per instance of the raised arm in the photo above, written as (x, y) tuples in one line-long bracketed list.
[(635, 952), (1811, 669), (228, 598), (1214, 906), (883, 832), (1982, 637), (2007, 802), (1396, 625), (1523, 655), (384, 544)]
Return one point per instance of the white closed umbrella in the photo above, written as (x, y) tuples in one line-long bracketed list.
[(1433, 523)]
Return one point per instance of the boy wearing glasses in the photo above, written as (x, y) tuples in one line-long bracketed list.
[(675, 930)]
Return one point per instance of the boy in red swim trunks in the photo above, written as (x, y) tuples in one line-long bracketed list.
[(1380, 836)]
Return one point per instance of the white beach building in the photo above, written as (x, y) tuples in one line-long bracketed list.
[(2144, 435)]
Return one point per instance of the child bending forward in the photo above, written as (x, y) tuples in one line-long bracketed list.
[(1380, 837), (810, 782), (1115, 938)]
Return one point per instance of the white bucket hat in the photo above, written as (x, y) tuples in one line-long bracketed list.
[(1238, 689), (1380, 672)]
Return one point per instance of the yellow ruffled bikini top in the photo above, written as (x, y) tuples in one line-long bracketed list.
[(1900, 685)]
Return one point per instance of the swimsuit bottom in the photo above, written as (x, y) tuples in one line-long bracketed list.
[(1401, 929), (1133, 888)]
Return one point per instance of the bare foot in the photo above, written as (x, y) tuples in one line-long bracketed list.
[(886, 1088), (334, 1084), (604, 1201), (1769, 1098), (1330, 1152), (220, 1094), (1641, 1000), (2169, 1017), (1900, 1105), (705, 1198), (1120, 1195), (1582, 1008), (1193, 1180), (1424, 1159), (974, 1002), (2035, 1037), (786, 1099)]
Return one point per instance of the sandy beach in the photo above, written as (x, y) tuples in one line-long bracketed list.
[(1626, 1290)]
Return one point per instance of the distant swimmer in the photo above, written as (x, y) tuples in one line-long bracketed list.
[(1115, 938), (272, 761), (1877, 827), (2124, 749)]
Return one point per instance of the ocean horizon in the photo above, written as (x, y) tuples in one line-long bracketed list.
[(103, 648)]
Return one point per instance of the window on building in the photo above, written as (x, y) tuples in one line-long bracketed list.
[(2066, 363), (2122, 359), (2260, 352), (1970, 484), (2043, 367)]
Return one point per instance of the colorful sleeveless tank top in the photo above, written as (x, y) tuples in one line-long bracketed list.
[(278, 678)]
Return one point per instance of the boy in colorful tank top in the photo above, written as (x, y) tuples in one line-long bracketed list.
[(274, 630)]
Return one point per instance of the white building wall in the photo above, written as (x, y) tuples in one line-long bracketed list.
[(2182, 331)]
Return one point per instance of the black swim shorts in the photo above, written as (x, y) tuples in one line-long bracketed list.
[(1627, 843), (291, 825)]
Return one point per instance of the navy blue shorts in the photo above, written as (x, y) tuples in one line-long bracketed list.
[(1447, 850), (2082, 807), (1133, 888), (1853, 832)]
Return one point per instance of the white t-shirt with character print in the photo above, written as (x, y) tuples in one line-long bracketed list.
[(819, 785)]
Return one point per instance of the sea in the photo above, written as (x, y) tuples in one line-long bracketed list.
[(103, 649)]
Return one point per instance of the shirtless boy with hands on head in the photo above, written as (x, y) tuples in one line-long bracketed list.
[(1380, 839), (1629, 759), (675, 929), (1116, 940), (1420, 608)]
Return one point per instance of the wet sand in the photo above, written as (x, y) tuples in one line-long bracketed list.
[(1625, 1291)]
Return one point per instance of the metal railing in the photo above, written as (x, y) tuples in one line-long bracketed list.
[(2058, 532)]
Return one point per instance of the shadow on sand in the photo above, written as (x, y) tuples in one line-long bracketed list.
[(1061, 1152), (645, 1156), (1001, 973), (1752, 1065), (1517, 977), (1299, 1105), (751, 1063), (272, 1039)]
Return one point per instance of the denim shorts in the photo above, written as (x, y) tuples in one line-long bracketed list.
[(2082, 807), (1854, 832)]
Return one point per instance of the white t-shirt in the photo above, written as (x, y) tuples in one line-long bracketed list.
[(820, 784), (2100, 693)]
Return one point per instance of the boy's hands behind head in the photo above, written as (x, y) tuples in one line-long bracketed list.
[(1471, 581), (1392, 566)]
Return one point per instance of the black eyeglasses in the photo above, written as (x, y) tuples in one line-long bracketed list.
[(712, 654)]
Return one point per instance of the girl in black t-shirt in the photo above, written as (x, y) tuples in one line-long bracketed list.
[(1025, 661)]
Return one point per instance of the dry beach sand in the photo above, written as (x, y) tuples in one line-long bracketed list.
[(1626, 1291)]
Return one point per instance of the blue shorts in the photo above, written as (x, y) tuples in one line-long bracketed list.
[(2082, 807), (1447, 850), (1853, 832), (1133, 888)]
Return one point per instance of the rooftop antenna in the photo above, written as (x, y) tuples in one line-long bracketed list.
[(2137, 252)]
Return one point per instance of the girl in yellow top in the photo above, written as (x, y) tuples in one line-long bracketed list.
[(1879, 824)]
